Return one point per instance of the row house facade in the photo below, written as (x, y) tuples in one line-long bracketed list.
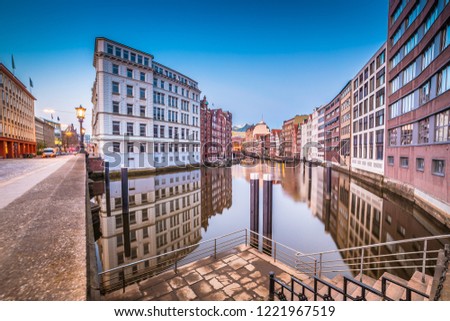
[(17, 122), (290, 147), (145, 114), (418, 99), (215, 133)]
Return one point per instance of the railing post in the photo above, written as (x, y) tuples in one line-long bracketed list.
[(215, 249), (320, 265), (361, 265), (176, 262), (275, 250), (123, 280), (383, 287), (107, 189), (315, 267), (271, 286), (345, 289), (424, 262), (246, 240)]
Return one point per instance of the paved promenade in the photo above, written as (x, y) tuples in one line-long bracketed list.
[(42, 235)]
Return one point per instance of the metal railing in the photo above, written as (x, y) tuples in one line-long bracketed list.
[(375, 257), (124, 275), (331, 292)]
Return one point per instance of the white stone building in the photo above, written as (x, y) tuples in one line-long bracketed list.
[(368, 115), (145, 114)]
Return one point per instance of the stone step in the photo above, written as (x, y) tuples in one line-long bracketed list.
[(416, 283), (355, 290), (394, 291)]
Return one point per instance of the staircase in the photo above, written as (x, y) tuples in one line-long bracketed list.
[(342, 288)]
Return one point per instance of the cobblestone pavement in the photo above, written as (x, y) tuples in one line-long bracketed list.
[(43, 237), (239, 276)]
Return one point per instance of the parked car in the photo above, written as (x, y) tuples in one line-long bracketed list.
[(48, 152)]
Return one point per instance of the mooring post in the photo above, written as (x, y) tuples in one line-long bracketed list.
[(125, 211), (254, 209), (328, 178), (267, 212), (107, 190)]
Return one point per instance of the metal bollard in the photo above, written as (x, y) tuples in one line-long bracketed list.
[(271, 286), (254, 209), (267, 212), (125, 212)]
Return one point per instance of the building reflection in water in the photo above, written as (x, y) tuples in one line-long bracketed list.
[(165, 215), (217, 192)]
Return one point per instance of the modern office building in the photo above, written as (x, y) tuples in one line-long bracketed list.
[(17, 128), (45, 133), (418, 98), (145, 114), (215, 133), (368, 115)]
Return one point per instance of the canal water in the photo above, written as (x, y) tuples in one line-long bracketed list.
[(175, 210)]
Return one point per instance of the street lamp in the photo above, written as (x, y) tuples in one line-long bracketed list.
[(81, 112)]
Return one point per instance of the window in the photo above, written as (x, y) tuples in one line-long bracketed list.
[(142, 147), (408, 103), (132, 217), (381, 59), (424, 128), (116, 147), (404, 162), (395, 84), (130, 129), (409, 73), (413, 15), (133, 57), (119, 240), (380, 98), (161, 131), (129, 109), (146, 61), (115, 107), (115, 69), (442, 127), (379, 118), (420, 164), (430, 20), (116, 127), (142, 93), (129, 73), (125, 54), (143, 130), (129, 91), (155, 131), (139, 60), (391, 160), (445, 37), (109, 49), (142, 111), (380, 143), (162, 84), (144, 215), (398, 11), (130, 148), (443, 82), (115, 87), (118, 52), (142, 76), (428, 57), (424, 93), (380, 78), (393, 137), (411, 44), (438, 167), (406, 134), (119, 222)]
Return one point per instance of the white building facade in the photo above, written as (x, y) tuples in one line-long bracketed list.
[(368, 118), (145, 115)]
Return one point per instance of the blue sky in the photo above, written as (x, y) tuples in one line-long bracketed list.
[(255, 58)]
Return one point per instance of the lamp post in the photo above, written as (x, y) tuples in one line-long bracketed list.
[(81, 112)]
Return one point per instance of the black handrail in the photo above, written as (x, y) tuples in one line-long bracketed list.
[(408, 289), (364, 289)]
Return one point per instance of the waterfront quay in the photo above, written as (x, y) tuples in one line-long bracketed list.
[(43, 230)]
